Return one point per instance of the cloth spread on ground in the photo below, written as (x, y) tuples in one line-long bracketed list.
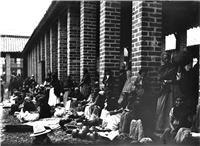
[(110, 135), (52, 123)]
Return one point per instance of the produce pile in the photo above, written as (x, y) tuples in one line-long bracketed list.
[(58, 136)]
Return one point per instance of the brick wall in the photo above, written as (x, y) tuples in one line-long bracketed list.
[(53, 48), (183, 40), (146, 39), (110, 39), (62, 47), (47, 51), (39, 73), (73, 42), (88, 38)]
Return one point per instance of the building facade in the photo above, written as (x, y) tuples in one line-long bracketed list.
[(93, 34), (11, 55)]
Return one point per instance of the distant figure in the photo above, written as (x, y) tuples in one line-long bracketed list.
[(108, 80), (2, 90), (85, 84)]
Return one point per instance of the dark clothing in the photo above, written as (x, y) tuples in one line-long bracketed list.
[(109, 82), (79, 96), (85, 85), (45, 141), (100, 100), (2, 92), (57, 87), (29, 106), (122, 79), (45, 111), (168, 93)]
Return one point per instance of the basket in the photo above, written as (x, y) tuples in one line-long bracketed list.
[(181, 58)]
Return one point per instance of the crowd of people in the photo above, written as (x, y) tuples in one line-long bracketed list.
[(176, 111)]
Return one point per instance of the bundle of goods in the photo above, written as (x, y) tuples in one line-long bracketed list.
[(181, 58)]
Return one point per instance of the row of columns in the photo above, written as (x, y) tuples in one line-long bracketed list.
[(69, 45)]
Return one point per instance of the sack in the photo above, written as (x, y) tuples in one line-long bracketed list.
[(181, 58)]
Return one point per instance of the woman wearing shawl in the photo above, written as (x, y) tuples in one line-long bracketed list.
[(191, 135), (127, 86), (108, 80), (167, 76), (180, 116), (85, 84)]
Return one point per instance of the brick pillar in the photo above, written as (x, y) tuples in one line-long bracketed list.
[(38, 63), (88, 38), (62, 48), (31, 61), (53, 48), (28, 66), (47, 51), (181, 40), (34, 60), (8, 68), (42, 54), (199, 78), (146, 39), (73, 42), (110, 39)]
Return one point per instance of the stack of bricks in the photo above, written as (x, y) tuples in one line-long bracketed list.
[(88, 38), (146, 39)]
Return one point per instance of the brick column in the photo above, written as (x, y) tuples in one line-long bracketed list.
[(8, 68), (62, 48), (42, 54), (88, 38), (38, 63), (199, 78), (53, 48), (73, 42), (181, 40), (146, 38), (34, 60), (31, 67), (110, 38), (47, 51)]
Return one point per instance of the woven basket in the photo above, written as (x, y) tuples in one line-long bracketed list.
[(181, 58)]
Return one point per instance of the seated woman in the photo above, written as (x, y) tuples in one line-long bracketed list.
[(89, 106), (130, 125), (28, 112), (190, 136), (111, 114), (180, 116), (43, 108)]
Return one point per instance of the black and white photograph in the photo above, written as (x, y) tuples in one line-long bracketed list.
[(99, 72)]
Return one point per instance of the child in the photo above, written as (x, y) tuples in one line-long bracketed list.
[(40, 134)]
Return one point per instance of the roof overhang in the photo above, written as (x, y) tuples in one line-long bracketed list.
[(55, 9), (179, 15)]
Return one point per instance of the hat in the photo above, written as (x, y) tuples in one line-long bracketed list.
[(39, 129), (76, 88)]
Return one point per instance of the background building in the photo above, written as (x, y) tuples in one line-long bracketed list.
[(11, 55)]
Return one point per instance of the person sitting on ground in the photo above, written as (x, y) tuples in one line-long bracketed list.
[(180, 116), (108, 80), (17, 100), (89, 108), (43, 108), (190, 136), (28, 111), (111, 114), (40, 134)]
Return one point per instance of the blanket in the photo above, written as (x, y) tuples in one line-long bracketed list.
[(52, 123)]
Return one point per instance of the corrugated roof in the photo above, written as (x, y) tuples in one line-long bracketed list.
[(12, 43)]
